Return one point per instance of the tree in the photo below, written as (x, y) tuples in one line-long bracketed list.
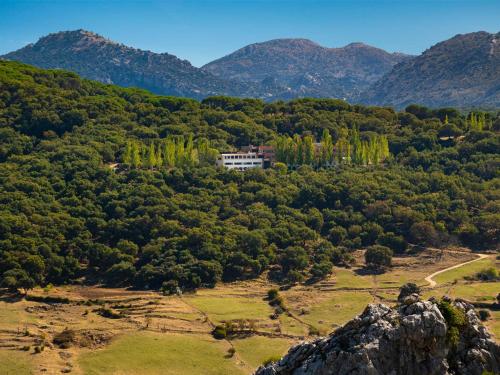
[(294, 258), (424, 233), (378, 256)]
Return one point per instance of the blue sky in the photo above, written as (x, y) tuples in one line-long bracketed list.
[(203, 30)]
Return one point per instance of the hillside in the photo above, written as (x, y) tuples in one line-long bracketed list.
[(76, 205), (289, 68), (463, 71), (95, 57)]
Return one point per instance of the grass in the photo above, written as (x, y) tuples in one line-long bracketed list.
[(228, 308), (255, 350), (165, 354), (466, 270), (291, 326), (15, 363), (336, 310)]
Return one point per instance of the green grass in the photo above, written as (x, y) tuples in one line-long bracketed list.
[(466, 270), (346, 278), (254, 350), (291, 326), (229, 308), (336, 310), (165, 354), (15, 363)]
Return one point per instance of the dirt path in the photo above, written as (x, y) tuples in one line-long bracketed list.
[(432, 283)]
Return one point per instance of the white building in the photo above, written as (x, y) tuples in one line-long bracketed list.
[(240, 160)]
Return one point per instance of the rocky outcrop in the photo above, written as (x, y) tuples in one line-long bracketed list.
[(416, 338)]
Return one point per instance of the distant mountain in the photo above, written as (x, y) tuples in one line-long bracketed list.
[(299, 67), (95, 57), (463, 71)]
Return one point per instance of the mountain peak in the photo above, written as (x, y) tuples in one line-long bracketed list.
[(96, 57), (461, 71), (304, 68)]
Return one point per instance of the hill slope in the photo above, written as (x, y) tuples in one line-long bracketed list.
[(300, 67), (95, 57), (462, 71)]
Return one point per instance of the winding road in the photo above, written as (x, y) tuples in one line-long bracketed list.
[(432, 283)]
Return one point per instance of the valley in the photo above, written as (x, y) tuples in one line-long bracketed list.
[(157, 334)]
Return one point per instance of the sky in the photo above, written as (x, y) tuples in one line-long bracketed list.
[(203, 30)]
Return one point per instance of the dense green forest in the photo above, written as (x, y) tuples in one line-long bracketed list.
[(67, 216)]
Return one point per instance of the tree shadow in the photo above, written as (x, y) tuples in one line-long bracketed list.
[(370, 271), (10, 297)]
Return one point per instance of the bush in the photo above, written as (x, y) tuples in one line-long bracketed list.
[(489, 274), (313, 331), (219, 332), (272, 294), (108, 313), (484, 315), (455, 319), (65, 338), (231, 351)]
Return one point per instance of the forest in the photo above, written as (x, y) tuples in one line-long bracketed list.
[(401, 181)]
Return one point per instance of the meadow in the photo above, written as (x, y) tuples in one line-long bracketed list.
[(157, 334)]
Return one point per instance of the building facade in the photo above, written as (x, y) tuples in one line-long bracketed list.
[(240, 160)]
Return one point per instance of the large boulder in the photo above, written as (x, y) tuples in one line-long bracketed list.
[(411, 339)]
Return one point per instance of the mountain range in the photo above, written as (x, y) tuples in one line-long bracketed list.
[(461, 71)]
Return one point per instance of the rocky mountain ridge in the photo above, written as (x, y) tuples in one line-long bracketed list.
[(417, 338), (463, 71), (95, 57), (301, 67)]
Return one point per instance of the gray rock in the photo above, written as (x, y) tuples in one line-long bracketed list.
[(408, 340)]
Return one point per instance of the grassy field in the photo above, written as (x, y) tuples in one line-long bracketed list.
[(15, 363), (172, 335), (467, 270), (165, 354), (255, 350)]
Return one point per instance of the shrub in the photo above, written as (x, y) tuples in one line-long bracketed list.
[(231, 351), (65, 338), (488, 274), (108, 313), (484, 315), (313, 331), (219, 332), (272, 294), (455, 319)]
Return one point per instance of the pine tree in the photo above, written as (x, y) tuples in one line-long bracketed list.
[(446, 119)]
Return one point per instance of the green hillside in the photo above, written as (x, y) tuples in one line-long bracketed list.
[(68, 212)]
